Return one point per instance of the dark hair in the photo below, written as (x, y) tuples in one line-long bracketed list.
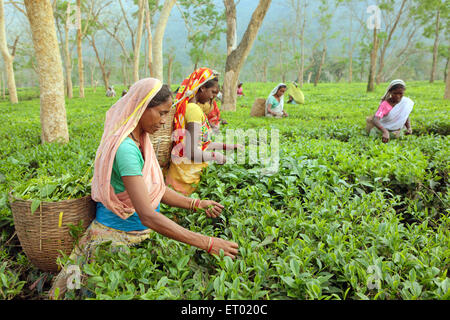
[(397, 86), (211, 83), (162, 96), (281, 87)]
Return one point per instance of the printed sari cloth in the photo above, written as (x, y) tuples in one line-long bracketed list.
[(396, 118), (84, 251), (214, 114), (121, 119), (280, 107), (183, 174)]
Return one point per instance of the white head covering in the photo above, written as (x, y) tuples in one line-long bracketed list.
[(273, 92), (393, 83)]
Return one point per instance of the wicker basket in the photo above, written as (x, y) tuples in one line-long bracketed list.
[(162, 140), (258, 108), (45, 233)]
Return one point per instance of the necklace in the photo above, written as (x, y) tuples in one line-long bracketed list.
[(132, 137)]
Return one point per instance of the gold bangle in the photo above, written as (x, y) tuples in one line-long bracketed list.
[(209, 243)]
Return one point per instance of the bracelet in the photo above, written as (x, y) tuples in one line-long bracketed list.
[(191, 206), (196, 204), (224, 147), (210, 244)]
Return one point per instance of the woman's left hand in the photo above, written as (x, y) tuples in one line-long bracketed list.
[(212, 208)]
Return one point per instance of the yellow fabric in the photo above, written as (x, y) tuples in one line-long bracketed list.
[(295, 93), (206, 107), (194, 113), (184, 177)]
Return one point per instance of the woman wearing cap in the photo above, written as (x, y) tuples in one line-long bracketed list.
[(128, 184), (275, 102), (392, 114), (193, 147)]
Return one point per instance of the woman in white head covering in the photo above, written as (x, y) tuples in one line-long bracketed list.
[(275, 102), (392, 114)]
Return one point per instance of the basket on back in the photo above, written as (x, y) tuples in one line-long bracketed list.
[(162, 140), (258, 108), (44, 233)]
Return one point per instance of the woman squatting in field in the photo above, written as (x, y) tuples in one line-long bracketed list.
[(392, 114)]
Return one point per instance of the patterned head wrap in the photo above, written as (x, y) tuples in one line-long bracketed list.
[(188, 89)]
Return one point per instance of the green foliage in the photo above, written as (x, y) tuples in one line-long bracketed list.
[(344, 217)]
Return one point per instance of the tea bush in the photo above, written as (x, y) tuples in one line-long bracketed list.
[(344, 216)]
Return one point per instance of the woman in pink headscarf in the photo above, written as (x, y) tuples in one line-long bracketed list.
[(128, 184)]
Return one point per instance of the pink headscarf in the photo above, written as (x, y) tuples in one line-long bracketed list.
[(121, 119)]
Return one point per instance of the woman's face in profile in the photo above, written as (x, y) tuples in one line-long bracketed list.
[(153, 118)]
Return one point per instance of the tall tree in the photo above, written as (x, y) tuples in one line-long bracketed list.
[(8, 58), (63, 12), (203, 22), (447, 82), (157, 48), (80, 54), (51, 79), (325, 17), (137, 47), (238, 54), (434, 17), (385, 38), (373, 62)]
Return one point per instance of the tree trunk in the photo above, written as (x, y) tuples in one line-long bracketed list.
[(169, 71), (350, 52), (446, 69), (236, 58), (80, 57), (386, 43), (68, 59), (137, 47), (149, 36), (447, 81), (7, 58), (124, 74), (435, 47), (51, 78), (2, 85), (105, 74), (373, 62), (157, 50), (322, 61)]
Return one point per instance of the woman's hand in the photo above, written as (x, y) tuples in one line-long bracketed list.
[(219, 158), (385, 137), (229, 248), (239, 147), (408, 131), (212, 208)]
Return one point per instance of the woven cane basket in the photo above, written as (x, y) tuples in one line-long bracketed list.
[(162, 140), (44, 233), (258, 108)]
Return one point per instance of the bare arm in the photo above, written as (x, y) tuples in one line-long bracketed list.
[(175, 199), (136, 187), (194, 152), (408, 126), (377, 123)]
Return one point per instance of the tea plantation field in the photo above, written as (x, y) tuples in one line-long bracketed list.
[(344, 216)]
